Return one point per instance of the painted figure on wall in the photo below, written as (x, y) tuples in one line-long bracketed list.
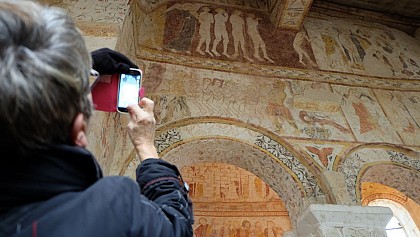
[(220, 32), (238, 29), (204, 229), (410, 125), (333, 52), (257, 41), (206, 20), (174, 104), (270, 231), (151, 82), (348, 47), (218, 96), (294, 13), (298, 45), (361, 43), (314, 118), (258, 229), (246, 229), (189, 16), (397, 106), (226, 230), (367, 122), (409, 65), (277, 110)]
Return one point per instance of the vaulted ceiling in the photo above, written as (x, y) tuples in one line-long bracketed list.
[(402, 8), (401, 14)]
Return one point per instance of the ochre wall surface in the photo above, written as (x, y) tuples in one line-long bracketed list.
[(373, 191), (232, 200)]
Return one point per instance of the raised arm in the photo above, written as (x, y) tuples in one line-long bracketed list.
[(169, 211)]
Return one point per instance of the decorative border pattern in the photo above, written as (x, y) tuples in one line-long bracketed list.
[(283, 72), (352, 166), (309, 182), (171, 137)]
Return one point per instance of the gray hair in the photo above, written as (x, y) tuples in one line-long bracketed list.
[(44, 75)]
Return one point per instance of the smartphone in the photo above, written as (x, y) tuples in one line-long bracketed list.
[(129, 89)]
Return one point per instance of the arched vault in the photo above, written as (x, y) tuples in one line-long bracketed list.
[(385, 164), (192, 141)]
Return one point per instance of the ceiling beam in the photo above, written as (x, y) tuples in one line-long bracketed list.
[(290, 14)]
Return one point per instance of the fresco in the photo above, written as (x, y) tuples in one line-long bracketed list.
[(400, 108), (230, 34), (363, 49), (324, 154), (203, 30), (294, 12), (407, 163), (110, 11), (213, 181), (239, 227), (365, 115), (291, 108)]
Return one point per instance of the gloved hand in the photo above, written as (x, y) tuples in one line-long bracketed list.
[(107, 62)]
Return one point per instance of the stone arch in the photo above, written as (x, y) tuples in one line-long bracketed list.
[(401, 214), (247, 157), (404, 179), (393, 166), (404, 209), (234, 142)]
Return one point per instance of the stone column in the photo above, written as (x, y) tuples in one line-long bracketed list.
[(337, 185), (327, 220)]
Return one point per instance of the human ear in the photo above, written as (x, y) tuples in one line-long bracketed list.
[(78, 131)]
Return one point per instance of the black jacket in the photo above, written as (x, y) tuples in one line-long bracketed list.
[(61, 192)]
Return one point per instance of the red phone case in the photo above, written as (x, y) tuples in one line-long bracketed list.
[(105, 92)]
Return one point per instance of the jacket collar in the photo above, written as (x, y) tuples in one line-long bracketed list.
[(45, 174)]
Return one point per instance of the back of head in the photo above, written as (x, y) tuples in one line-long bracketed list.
[(44, 71)]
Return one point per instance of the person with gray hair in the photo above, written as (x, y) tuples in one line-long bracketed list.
[(50, 185)]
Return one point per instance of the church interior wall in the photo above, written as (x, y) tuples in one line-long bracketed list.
[(337, 97)]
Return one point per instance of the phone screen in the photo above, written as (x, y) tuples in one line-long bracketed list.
[(128, 90)]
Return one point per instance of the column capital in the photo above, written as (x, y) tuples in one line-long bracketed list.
[(320, 220)]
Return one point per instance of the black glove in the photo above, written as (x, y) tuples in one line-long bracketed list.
[(107, 62)]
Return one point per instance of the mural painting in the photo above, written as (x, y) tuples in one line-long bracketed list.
[(112, 11), (225, 33), (400, 109), (323, 154), (319, 111), (388, 164), (366, 116), (230, 201), (292, 108), (363, 49), (242, 35), (294, 13)]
